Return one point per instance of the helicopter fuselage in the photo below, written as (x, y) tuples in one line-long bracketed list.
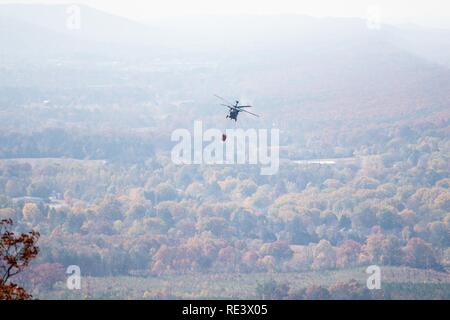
[(234, 112)]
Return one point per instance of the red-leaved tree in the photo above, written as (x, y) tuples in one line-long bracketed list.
[(16, 252)]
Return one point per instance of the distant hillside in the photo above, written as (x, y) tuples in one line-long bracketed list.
[(95, 25), (313, 68)]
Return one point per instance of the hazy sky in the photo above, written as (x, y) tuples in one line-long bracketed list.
[(428, 12)]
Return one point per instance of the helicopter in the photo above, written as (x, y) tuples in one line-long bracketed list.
[(234, 108)]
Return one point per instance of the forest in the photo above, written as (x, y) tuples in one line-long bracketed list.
[(153, 218)]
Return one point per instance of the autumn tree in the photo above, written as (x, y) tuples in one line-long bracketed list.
[(439, 234), (391, 251), (324, 256), (383, 249), (420, 254), (244, 222), (351, 290), (44, 276), (16, 252), (249, 260), (271, 290), (347, 254), (278, 249), (32, 213), (229, 258), (317, 293)]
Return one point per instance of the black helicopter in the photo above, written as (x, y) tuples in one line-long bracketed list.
[(234, 108)]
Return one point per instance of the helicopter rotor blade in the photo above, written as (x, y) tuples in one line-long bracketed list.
[(223, 99), (230, 107), (250, 113), (245, 106)]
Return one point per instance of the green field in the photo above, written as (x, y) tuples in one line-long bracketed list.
[(400, 283)]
